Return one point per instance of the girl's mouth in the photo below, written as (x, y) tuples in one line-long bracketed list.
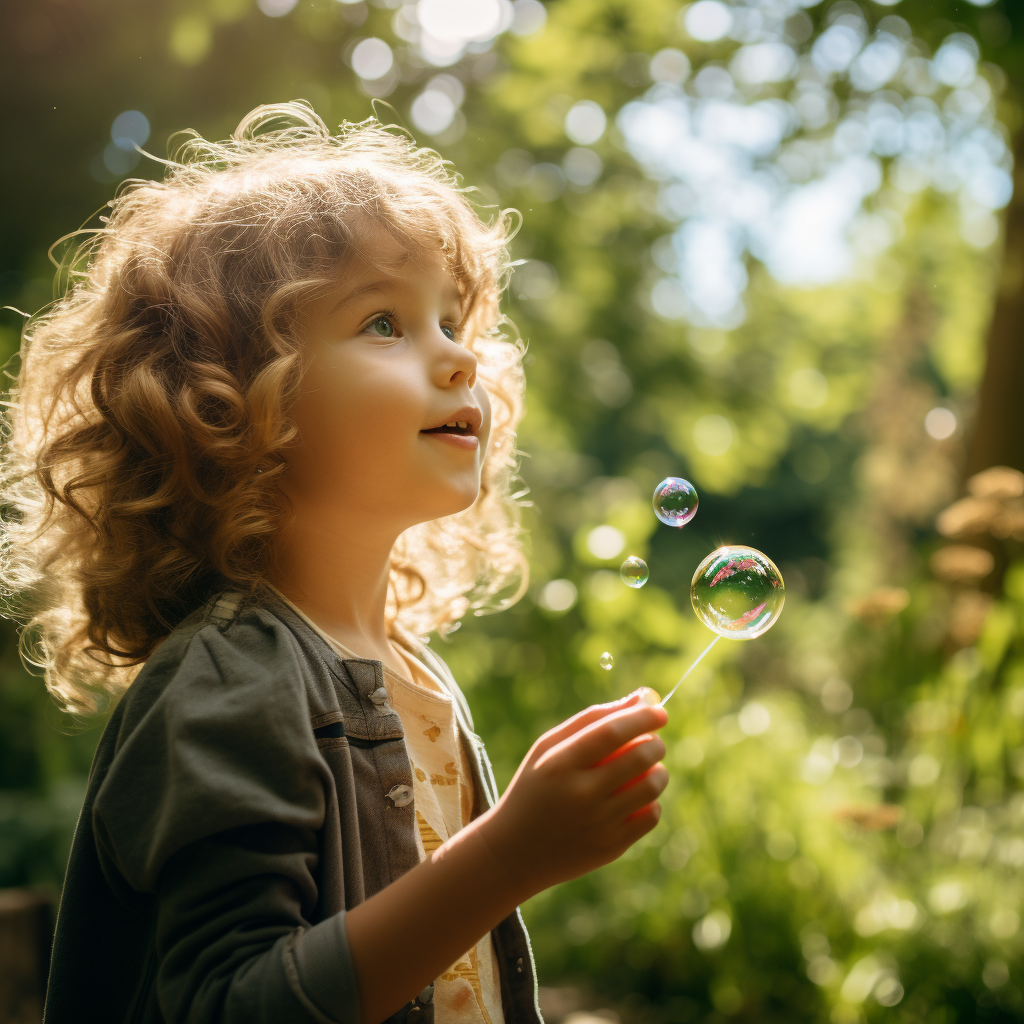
[(458, 435), (459, 428), (456, 427)]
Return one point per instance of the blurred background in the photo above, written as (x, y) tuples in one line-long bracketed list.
[(773, 246)]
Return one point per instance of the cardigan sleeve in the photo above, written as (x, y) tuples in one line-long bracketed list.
[(212, 804)]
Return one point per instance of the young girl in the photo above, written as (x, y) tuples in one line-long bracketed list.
[(260, 448)]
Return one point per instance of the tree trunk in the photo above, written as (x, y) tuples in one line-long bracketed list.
[(997, 436)]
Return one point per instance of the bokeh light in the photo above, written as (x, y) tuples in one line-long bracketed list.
[(276, 8), (707, 20), (437, 107), (558, 596), (528, 17), (372, 58), (940, 423), (449, 26), (130, 129), (585, 122), (713, 434), (605, 542)]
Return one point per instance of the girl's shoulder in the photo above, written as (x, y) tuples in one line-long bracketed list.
[(224, 647), (214, 733)]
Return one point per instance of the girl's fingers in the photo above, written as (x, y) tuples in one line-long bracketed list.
[(579, 721), (648, 695), (638, 792), (644, 819), (640, 754), (624, 749), (637, 825), (600, 738)]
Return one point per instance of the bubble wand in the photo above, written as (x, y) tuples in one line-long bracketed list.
[(696, 662), (737, 592)]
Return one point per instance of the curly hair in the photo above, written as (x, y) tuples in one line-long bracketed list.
[(149, 418)]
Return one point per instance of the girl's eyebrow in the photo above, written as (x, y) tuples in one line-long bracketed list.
[(373, 286), (384, 287)]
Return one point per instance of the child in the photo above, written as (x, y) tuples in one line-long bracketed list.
[(262, 446)]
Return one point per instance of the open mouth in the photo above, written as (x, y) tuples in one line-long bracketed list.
[(458, 427)]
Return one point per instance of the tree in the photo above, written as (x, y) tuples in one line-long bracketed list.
[(997, 436)]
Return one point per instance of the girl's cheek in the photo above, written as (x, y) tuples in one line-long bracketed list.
[(484, 401), (384, 396)]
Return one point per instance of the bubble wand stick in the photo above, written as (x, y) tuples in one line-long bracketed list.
[(689, 670)]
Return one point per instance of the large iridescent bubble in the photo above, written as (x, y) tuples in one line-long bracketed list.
[(738, 592), (675, 501)]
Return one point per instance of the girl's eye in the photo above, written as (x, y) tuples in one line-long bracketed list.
[(382, 327), (449, 333)]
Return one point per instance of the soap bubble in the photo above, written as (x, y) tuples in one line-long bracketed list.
[(675, 501), (738, 592), (606, 661), (634, 572)]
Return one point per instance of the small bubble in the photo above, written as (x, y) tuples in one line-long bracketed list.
[(634, 572), (606, 661), (675, 501), (738, 592)]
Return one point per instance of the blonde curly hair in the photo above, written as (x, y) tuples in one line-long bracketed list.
[(150, 414)]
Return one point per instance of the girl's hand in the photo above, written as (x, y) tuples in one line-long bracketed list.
[(585, 792)]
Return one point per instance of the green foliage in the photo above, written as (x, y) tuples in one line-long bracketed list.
[(844, 831)]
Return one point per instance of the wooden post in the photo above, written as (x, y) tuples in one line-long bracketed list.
[(26, 934)]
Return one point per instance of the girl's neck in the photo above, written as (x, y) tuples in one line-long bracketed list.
[(341, 587)]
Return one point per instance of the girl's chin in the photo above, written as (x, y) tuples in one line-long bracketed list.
[(456, 500)]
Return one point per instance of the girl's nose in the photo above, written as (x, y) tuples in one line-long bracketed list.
[(454, 363)]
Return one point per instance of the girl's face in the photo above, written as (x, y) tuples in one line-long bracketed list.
[(388, 368)]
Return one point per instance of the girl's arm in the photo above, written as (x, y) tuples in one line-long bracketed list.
[(581, 797)]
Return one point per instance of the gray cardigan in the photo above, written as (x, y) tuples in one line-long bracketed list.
[(249, 788)]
